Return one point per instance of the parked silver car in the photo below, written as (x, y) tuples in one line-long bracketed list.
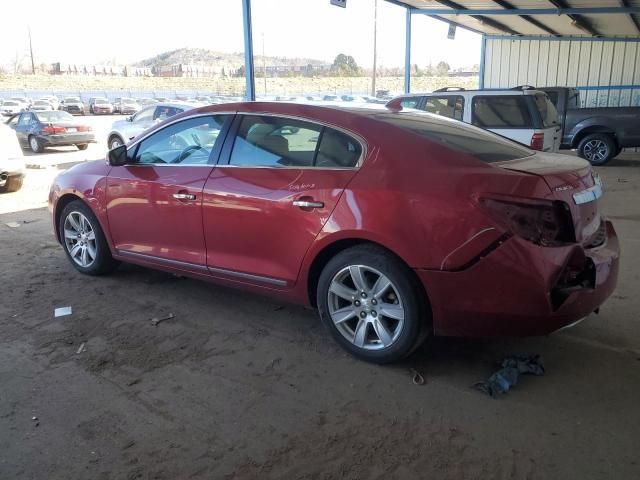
[(124, 130)]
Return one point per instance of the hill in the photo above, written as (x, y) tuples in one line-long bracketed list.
[(202, 56)]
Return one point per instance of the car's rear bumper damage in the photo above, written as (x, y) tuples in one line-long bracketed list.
[(522, 289)]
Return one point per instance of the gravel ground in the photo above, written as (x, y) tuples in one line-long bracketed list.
[(237, 386)]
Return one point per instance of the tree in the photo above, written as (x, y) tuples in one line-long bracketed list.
[(345, 66), (442, 69)]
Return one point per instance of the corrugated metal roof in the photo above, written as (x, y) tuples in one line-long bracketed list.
[(567, 19)]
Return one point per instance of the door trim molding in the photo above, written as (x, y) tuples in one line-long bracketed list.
[(203, 268)]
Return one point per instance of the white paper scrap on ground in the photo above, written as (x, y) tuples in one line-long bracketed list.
[(62, 311), (12, 224)]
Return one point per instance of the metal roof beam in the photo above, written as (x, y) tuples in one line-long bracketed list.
[(482, 19), (460, 10), (625, 3), (577, 20), (532, 21)]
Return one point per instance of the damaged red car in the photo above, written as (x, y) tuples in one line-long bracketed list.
[(394, 224)]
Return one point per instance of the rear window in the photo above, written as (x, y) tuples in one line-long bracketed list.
[(547, 111), (485, 146), (501, 111), (410, 102), (450, 106), (53, 116)]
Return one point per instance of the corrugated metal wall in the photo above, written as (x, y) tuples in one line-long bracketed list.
[(607, 73)]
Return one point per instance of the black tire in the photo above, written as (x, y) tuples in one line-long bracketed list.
[(82, 146), (103, 263), (598, 148), (13, 184), (374, 260), (113, 139), (35, 144)]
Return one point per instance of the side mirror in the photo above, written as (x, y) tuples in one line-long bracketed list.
[(130, 118), (118, 156)]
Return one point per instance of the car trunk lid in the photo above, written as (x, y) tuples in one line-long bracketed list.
[(573, 181)]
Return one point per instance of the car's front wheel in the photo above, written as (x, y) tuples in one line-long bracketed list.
[(369, 301), (84, 241)]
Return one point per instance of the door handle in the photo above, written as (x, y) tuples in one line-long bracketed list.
[(184, 196), (308, 204)]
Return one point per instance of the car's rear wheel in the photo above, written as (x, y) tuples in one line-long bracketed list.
[(598, 148), (84, 241), (12, 184), (35, 144), (82, 146), (115, 141), (370, 303)]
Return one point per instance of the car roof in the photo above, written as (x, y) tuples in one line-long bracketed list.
[(501, 91)]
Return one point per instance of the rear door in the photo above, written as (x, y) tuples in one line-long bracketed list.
[(23, 127), (268, 198)]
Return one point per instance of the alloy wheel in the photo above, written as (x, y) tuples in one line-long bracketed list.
[(365, 307), (80, 239), (596, 151)]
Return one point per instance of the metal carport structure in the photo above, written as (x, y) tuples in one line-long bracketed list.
[(590, 44)]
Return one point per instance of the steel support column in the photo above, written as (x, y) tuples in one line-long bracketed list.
[(249, 73), (407, 53), (483, 52)]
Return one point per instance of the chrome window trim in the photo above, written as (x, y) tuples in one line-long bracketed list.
[(363, 144), (210, 114)]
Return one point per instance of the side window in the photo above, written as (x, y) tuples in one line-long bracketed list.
[(450, 106), (410, 102), (162, 113), (189, 142), (501, 111), (337, 150), (145, 115), (275, 142), (25, 119)]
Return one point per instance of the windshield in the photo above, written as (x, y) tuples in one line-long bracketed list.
[(481, 144), (128, 100), (101, 100), (11, 103), (71, 100), (547, 110), (53, 116), (41, 102)]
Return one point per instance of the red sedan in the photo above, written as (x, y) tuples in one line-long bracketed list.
[(393, 224)]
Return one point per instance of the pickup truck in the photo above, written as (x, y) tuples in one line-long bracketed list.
[(598, 134)]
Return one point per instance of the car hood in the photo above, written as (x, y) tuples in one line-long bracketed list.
[(120, 125)]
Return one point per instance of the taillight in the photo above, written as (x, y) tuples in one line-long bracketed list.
[(537, 141), (53, 129), (84, 128), (545, 223)]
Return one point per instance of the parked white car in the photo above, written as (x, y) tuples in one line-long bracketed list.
[(11, 107), (41, 106), (12, 165), (124, 130), (522, 114)]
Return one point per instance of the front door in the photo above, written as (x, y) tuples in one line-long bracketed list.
[(264, 207), (154, 202)]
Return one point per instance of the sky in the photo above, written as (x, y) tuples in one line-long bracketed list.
[(123, 32)]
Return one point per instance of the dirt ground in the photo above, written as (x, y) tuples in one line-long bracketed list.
[(239, 387)]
